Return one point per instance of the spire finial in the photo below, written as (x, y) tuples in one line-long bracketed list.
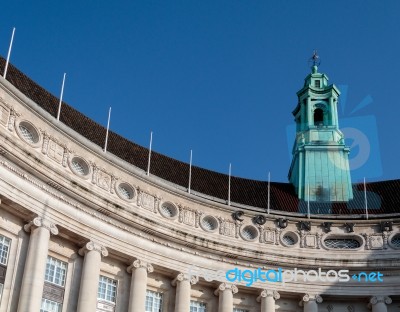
[(314, 61)]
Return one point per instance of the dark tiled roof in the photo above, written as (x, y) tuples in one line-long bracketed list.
[(383, 197)]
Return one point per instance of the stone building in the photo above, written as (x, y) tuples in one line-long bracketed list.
[(84, 230)]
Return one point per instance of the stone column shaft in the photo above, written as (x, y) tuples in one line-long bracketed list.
[(378, 303), (137, 297), (225, 292), (310, 113), (87, 300), (302, 116), (30, 298), (310, 306), (267, 298), (310, 302), (183, 285)]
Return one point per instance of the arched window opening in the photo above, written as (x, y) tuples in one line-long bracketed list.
[(318, 117)]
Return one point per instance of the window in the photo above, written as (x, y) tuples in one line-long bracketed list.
[(56, 271), (288, 240), (342, 243), (4, 249), (28, 132), (396, 240), (318, 117), (125, 191), (318, 83), (168, 210), (50, 306), (209, 223), (153, 301), (79, 166), (196, 306), (249, 232), (239, 310), (107, 289)]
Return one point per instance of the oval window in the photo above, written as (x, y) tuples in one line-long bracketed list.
[(79, 166), (28, 132), (168, 210), (342, 243), (209, 223), (395, 241)]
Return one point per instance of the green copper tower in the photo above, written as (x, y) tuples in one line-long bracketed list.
[(320, 166)]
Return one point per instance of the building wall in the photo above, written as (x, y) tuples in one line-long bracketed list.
[(38, 180)]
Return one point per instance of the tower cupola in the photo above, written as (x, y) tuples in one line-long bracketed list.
[(320, 166)]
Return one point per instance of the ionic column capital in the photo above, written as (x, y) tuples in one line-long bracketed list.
[(311, 297), (92, 246), (185, 277), (226, 286), (41, 222), (140, 264), (379, 299), (268, 293)]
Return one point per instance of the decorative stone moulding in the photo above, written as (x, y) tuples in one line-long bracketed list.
[(168, 210), (343, 242), (79, 166), (327, 226), (282, 223), (289, 239), (209, 223), (93, 246), (4, 112), (237, 215), (394, 240), (41, 222), (125, 191), (28, 133), (259, 219), (11, 119), (138, 263), (249, 232)]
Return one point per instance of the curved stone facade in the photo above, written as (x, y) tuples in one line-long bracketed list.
[(106, 221)]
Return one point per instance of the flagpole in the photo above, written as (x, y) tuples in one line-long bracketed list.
[(365, 199), (229, 185), (269, 181), (190, 171), (61, 98), (9, 53), (108, 127), (148, 163), (308, 201)]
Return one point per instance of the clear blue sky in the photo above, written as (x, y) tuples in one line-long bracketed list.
[(218, 77)]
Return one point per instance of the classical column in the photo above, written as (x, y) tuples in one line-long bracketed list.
[(183, 283), (267, 298), (137, 297), (92, 252), (225, 292), (310, 301), (30, 297), (378, 303), (310, 114)]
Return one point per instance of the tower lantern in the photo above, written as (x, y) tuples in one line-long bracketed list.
[(320, 166)]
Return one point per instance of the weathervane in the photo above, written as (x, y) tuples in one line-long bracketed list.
[(314, 60)]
